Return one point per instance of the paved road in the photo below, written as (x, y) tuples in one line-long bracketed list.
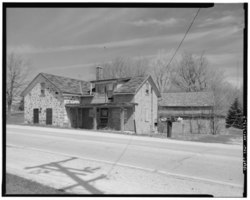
[(216, 163)]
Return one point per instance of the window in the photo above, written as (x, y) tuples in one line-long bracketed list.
[(42, 89), (109, 87), (147, 88), (104, 112)]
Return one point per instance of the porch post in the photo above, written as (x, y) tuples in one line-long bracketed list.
[(122, 119), (94, 118), (134, 119), (77, 116)]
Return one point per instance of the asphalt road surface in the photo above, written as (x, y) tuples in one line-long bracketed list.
[(212, 163)]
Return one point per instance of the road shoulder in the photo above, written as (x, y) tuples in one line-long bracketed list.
[(75, 175)]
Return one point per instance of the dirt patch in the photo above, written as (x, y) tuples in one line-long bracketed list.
[(18, 185)]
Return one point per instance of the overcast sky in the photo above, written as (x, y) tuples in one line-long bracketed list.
[(70, 41)]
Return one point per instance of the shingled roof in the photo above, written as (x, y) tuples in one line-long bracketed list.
[(68, 85), (186, 99), (131, 85)]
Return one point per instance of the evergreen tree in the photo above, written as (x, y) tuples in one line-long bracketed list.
[(235, 116)]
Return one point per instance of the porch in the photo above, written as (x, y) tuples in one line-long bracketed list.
[(113, 116)]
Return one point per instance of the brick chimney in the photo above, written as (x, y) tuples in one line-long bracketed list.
[(99, 73)]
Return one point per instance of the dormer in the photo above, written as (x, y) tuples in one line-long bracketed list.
[(105, 88)]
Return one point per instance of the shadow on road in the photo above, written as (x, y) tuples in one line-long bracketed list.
[(72, 173)]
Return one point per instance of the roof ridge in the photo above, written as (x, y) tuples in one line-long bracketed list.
[(63, 77), (186, 92)]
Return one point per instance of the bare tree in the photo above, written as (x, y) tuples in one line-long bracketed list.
[(161, 71), (140, 66), (125, 67), (16, 77), (191, 73)]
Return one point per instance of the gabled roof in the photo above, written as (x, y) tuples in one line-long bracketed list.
[(186, 99), (134, 84), (131, 85), (68, 85), (63, 84)]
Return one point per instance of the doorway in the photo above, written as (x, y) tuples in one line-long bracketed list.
[(36, 116), (49, 116)]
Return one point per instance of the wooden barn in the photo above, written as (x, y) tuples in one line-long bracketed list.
[(188, 113)]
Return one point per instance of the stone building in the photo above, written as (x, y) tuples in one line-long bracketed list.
[(126, 104), (46, 96)]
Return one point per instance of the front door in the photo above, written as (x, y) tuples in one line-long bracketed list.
[(103, 117), (49, 116), (35, 116)]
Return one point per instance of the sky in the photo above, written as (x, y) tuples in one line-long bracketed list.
[(72, 41)]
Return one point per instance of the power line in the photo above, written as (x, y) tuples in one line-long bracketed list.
[(183, 37)]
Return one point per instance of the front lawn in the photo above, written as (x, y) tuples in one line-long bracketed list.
[(233, 136), (18, 185), (15, 118)]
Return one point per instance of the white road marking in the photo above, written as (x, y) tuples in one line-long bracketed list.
[(178, 176)]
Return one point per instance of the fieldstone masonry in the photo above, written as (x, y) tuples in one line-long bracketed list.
[(51, 99)]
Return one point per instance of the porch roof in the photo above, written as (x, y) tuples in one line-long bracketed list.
[(112, 104)]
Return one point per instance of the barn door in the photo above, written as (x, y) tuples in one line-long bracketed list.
[(35, 116), (49, 116)]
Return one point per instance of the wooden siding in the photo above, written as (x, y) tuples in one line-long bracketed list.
[(193, 126), (124, 98), (146, 110), (129, 121), (114, 118), (184, 111), (86, 100)]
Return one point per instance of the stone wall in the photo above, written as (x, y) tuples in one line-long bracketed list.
[(53, 99)]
